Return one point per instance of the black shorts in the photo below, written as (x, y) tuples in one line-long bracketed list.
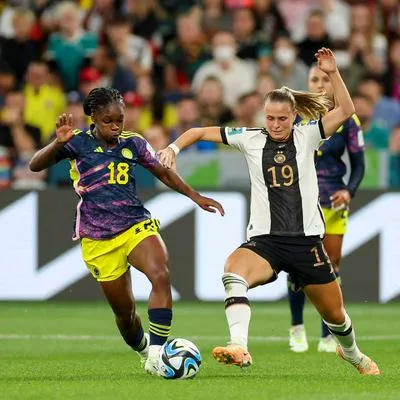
[(304, 258)]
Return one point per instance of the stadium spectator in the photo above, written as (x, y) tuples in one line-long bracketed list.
[(285, 224), (155, 108), (115, 229), (270, 19), (210, 99), (386, 109), (252, 45), (185, 54), (115, 75), (287, 69), (20, 50), (21, 141), (133, 51), (236, 75), (335, 196), (43, 101), (367, 46), (214, 17), (246, 111), (71, 39), (391, 78), (315, 38)]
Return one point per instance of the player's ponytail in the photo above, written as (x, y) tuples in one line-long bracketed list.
[(99, 98), (307, 104)]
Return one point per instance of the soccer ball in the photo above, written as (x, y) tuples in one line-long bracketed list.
[(179, 359)]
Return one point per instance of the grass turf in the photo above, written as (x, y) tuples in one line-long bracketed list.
[(55, 350)]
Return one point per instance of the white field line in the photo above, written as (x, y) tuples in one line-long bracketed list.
[(266, 339)]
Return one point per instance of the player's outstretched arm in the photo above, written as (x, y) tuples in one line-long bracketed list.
[(344, 107), (45, 157), (168, 155), (175, 182)]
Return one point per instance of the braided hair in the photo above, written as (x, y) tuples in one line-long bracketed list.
[(101, 97)]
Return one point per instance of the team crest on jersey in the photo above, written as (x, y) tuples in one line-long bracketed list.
[(126, 153), (235, 131), (279, 157)]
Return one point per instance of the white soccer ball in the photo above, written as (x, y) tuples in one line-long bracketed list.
[(179, 359)]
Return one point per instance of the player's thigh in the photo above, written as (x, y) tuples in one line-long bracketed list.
[(150, 255), (328, 300), (255, 269), (119, 294)]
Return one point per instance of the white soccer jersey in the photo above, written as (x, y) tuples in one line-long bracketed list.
[(284, 186)]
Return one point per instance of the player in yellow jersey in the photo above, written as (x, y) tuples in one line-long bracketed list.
[(114, 227)]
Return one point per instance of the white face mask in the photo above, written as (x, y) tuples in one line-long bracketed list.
[(224, 53), (285, 56), (342, 58)]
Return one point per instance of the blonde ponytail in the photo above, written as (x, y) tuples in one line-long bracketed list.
[(307, 104)]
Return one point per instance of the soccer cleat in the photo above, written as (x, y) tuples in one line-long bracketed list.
[(327, 344), (298, 339), (151, 363), (233, 354), (143, 354), (365, 366)]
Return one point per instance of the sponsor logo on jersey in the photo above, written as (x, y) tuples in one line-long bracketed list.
[(235, 131)]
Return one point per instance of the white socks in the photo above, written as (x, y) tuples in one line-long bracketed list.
[(344, 335), (237, 308)]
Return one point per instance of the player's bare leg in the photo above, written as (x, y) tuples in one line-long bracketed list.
[(150, 257), (333, 246), (120, 297), (244, 269), (327, 299)]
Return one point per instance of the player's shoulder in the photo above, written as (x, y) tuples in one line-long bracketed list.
[(233, 131), (130, 135)]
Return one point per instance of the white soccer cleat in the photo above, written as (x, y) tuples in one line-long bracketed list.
[(151, 364), (298, 339), (143, 354), (327, 344)]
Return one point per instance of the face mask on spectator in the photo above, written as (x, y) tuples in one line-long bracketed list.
[(224, 53), (285, 56), (342, 58)]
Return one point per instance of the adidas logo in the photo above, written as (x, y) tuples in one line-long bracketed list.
[(99, 150)]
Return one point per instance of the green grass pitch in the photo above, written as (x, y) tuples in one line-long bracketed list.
[(54, 350)]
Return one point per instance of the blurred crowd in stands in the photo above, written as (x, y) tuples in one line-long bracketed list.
[(187, 63)]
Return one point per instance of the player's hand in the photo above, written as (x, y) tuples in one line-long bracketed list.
[(208, 204), (326, 60), (340, 199), (64, 131), (167, 157)]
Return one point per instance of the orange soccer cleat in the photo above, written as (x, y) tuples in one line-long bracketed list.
[(232, 354), (365, 367)]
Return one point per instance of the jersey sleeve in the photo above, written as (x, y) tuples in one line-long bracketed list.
[(146, 156), (355, 142), (312, 132), (235, 137), (70, 149)]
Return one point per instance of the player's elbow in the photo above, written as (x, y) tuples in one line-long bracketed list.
[(34, 166)]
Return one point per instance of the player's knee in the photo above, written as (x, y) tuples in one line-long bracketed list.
[(335, 316), (159, 275)]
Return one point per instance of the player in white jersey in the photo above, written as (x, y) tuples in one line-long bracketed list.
[(286, 224)]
